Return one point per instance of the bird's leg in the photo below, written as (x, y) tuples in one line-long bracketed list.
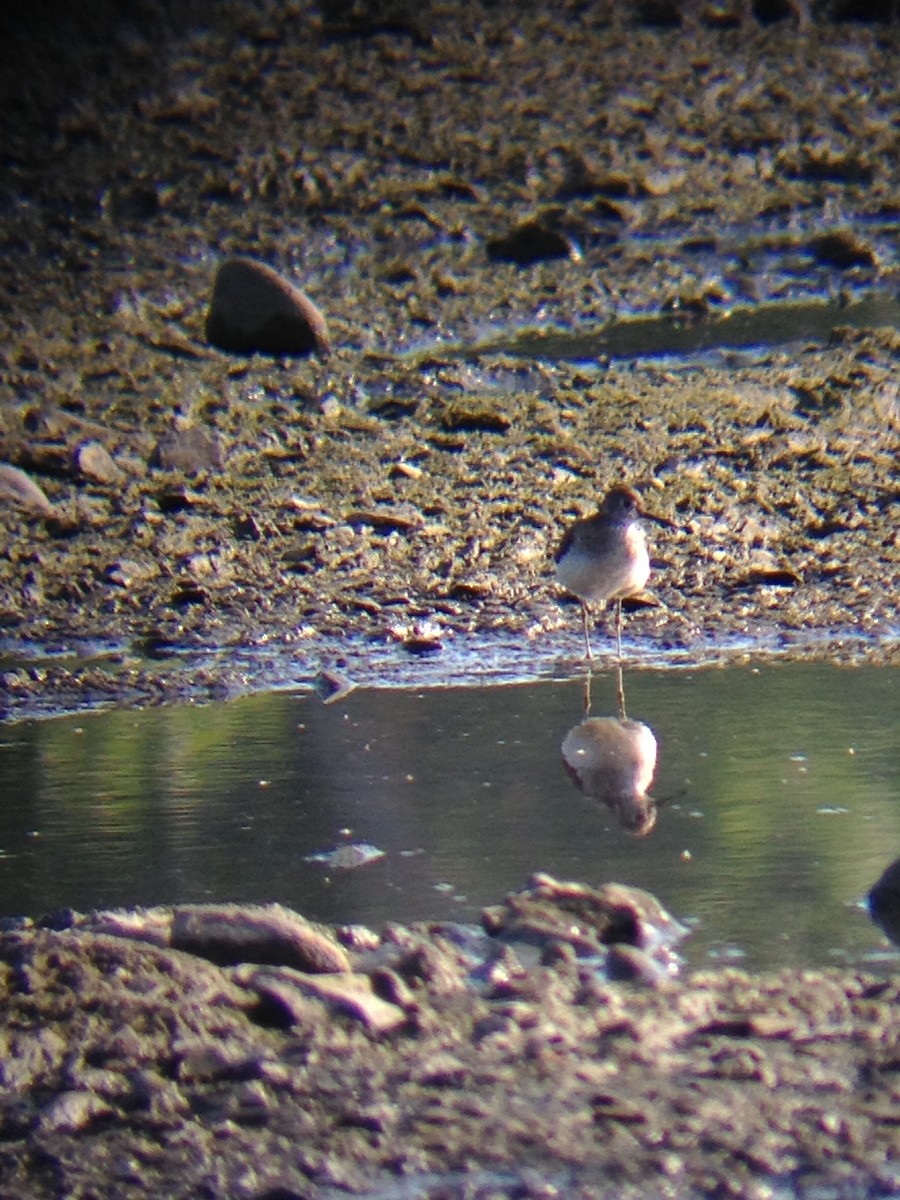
[(587, 695), (587, 636), (619, 630), (620, 694)]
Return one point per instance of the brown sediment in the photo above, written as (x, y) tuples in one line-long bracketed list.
[(205, 500), (373, 154), (430, 1060)]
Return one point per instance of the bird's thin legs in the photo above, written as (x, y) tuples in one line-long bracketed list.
[(619, 630), (620, 694), (586, 695), (587, 635)]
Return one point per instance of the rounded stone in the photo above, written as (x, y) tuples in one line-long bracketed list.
[(255, 310), (19, 490)]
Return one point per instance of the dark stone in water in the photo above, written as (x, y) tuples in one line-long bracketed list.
[(349, 856)]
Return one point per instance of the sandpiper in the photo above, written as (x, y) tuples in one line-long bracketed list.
[(604, 557)]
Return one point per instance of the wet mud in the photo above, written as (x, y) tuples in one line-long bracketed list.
[(197, 499), (232, 1052), (435, 177)]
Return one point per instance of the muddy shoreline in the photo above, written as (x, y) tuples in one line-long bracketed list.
[(436, 178), (203, 500)]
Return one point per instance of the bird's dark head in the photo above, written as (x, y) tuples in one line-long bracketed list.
[(624, 504), (621, 503)]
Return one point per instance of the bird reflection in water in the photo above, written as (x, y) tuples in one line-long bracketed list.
[(613, 759)]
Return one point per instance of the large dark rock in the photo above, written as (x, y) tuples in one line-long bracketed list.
[(255, 310)]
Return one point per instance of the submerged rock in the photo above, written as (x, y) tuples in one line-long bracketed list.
[(843, 248), (348, 857)]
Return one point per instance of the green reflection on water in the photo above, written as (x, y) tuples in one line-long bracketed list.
[(780, 790)]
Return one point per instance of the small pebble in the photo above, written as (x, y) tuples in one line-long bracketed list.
[(19, 490)]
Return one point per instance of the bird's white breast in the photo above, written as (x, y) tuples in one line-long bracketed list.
[(612, 571)]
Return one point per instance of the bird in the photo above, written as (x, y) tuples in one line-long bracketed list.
[(604, 557), (613, 759)]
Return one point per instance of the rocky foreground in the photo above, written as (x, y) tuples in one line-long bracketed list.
[(247, 1054)]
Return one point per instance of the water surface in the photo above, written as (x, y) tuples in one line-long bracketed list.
[(778, 791)]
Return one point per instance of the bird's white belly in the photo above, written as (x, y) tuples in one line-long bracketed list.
[(609, 577)]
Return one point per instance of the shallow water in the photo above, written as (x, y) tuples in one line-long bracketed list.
[(778, 791), (749, 327)]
